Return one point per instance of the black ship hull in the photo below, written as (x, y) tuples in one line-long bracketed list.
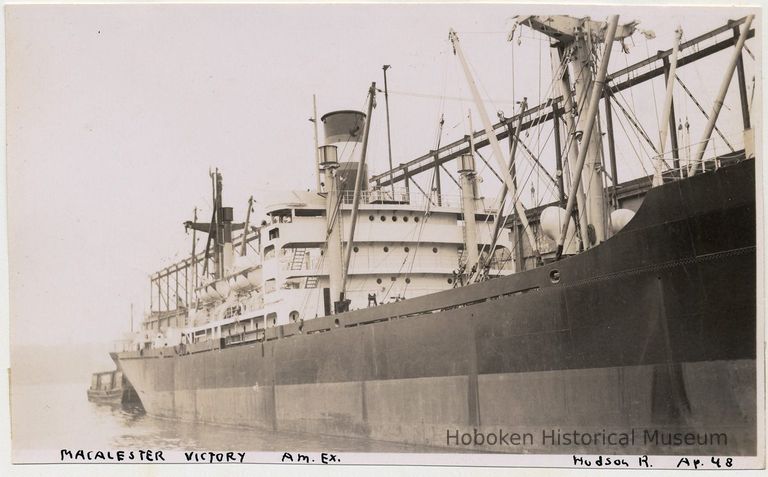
[(652, 333)]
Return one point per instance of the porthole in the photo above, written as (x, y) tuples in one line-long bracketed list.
[(383, 218), (386, 249), (378, 280), (370, 217), (407, 249), (407, 280), (336, 322), (394, 218), (434, 249), (415, 219), (554, 276), (450, 280), (405, 219), (355, 249)]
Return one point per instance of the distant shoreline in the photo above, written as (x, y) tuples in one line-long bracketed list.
[(58, 364)]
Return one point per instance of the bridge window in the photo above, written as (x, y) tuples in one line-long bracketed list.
[(274, 233), (281, 216), (309, 212)]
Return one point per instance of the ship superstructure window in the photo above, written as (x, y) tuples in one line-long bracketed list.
[(271, 319), (405, 219), (378, 280), (415, 219), (269, 252), (407, 280), (383, 219), (394, 218), (355, 249), (274, 233), (434, 249), (309, 212), (281, 216), (269, 285), (370, 217), (294, 315), (386, 249), (407, 249)]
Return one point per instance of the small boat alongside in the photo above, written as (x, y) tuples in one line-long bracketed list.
[(111, 387)]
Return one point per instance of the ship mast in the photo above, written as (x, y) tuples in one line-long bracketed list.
[(657, 179), (595, 188), (580, 34), (330, 163), (219, 231), (500, 218), (572, 144), (356, 198), (317, 148), (194, 251), (246, 227), (699, 156), (505, 174), (592, 172), (467, 184), (389, 135)]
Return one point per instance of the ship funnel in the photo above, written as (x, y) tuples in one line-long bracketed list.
[(343, 126), (620, 218), (552, 219)]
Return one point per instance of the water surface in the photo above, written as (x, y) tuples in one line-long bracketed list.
[(50, 417)]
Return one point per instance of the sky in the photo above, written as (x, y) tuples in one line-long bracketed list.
[(117, 113)]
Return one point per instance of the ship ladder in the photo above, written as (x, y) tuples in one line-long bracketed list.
[(297, 261)]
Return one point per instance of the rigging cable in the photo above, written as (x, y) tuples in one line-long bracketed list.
[(706, 116), (521, 188), (653, 90)]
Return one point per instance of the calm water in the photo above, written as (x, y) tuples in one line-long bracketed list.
[(47, 418)]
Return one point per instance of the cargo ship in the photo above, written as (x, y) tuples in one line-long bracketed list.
[(365, 310)]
